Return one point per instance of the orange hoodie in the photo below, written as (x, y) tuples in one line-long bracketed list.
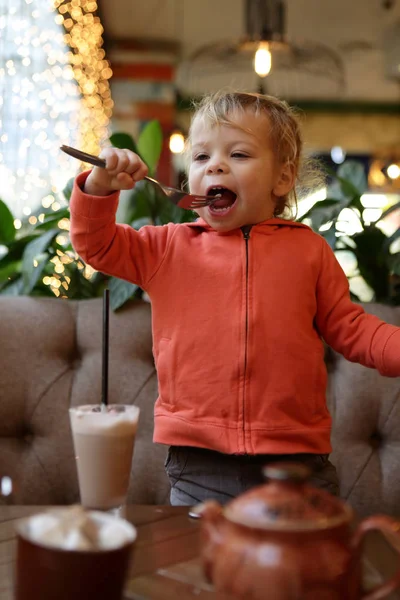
[(238, 319)]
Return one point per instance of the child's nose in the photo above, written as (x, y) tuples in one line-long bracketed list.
[(216, 167)]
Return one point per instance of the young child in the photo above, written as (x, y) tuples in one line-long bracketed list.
[(241, 301)]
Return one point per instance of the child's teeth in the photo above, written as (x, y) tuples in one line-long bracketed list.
[(222, 209)]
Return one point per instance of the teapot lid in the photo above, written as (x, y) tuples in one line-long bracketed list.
[(287, 502)]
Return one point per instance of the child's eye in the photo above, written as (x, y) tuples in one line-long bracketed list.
[(239, 155), (201, 157)]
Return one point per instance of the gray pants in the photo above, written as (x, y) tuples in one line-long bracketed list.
[(197, 474)]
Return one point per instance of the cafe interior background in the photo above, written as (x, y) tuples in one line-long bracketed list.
[(75, 72)]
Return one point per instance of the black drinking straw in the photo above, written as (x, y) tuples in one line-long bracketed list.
[(106, 304)]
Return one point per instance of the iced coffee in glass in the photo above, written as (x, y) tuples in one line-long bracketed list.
[(104, 439)]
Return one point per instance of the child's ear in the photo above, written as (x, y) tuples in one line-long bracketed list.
[(285, 181)]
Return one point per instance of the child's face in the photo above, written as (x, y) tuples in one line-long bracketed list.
[(241, 160)]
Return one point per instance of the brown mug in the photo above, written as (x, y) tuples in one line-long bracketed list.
[(287, 540), (45, 572)]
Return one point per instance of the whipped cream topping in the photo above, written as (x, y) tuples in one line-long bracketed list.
[(115, 420), (73, 528)]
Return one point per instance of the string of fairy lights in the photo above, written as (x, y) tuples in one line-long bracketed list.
[(54, 90), (90, 68)]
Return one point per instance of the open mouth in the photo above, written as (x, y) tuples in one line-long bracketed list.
[(225, 200)]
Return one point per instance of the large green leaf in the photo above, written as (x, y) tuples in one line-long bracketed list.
[(323, 209), (16, 249), (139, 223), (120, 291), (394, 263), (352, 177), (7, 229), (9, 270), (389, 241), (67, 191), (52, 219), (371, 260), (31, 279), (140, 201), (149, 144), (124, 141), (369, 243), (35, 251), (389, 211), (349, 183), (148, 203), (170, 213), (330, 236), (13, 289), (80, 288), (146, 199)]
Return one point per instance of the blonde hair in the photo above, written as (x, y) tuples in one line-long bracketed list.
[(285, 135)]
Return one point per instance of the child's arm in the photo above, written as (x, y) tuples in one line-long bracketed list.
[(117, 250), (345, 326)]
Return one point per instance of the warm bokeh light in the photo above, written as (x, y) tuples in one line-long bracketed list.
[(54, 89), (262, 60), (88, 66), (393, 171), (177, 142)]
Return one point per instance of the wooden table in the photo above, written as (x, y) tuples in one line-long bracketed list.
[(165, 564)]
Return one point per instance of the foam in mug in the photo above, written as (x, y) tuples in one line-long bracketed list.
[(71, 553), (104, 440)]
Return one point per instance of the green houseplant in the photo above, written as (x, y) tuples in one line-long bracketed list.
[(370, 246), (39, 260)]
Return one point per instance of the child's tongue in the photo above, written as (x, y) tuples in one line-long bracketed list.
[(227, 198)]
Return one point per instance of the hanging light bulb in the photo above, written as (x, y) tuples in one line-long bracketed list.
[(393, 171), (262, 59), (177, 142)]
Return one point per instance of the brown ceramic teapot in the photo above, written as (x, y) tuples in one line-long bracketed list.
[(286, 540)]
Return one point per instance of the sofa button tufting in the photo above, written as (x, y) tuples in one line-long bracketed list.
[(376, 440), (28, 438)]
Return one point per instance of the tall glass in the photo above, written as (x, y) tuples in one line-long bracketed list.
[(104, 439)]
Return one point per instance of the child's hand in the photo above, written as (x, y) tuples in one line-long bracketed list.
[(123, 169)]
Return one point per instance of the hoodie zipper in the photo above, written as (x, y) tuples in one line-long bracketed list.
[(246, 235)]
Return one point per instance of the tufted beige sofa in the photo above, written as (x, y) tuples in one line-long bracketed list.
[(50, 359), (366, 435)]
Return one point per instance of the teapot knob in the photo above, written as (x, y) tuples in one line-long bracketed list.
[(287, 472), (210, 509)]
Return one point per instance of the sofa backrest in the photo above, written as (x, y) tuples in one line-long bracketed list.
[(366, 433), (50, 359)]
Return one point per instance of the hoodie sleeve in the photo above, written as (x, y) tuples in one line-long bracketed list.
[(347, 328), (117, 250)]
